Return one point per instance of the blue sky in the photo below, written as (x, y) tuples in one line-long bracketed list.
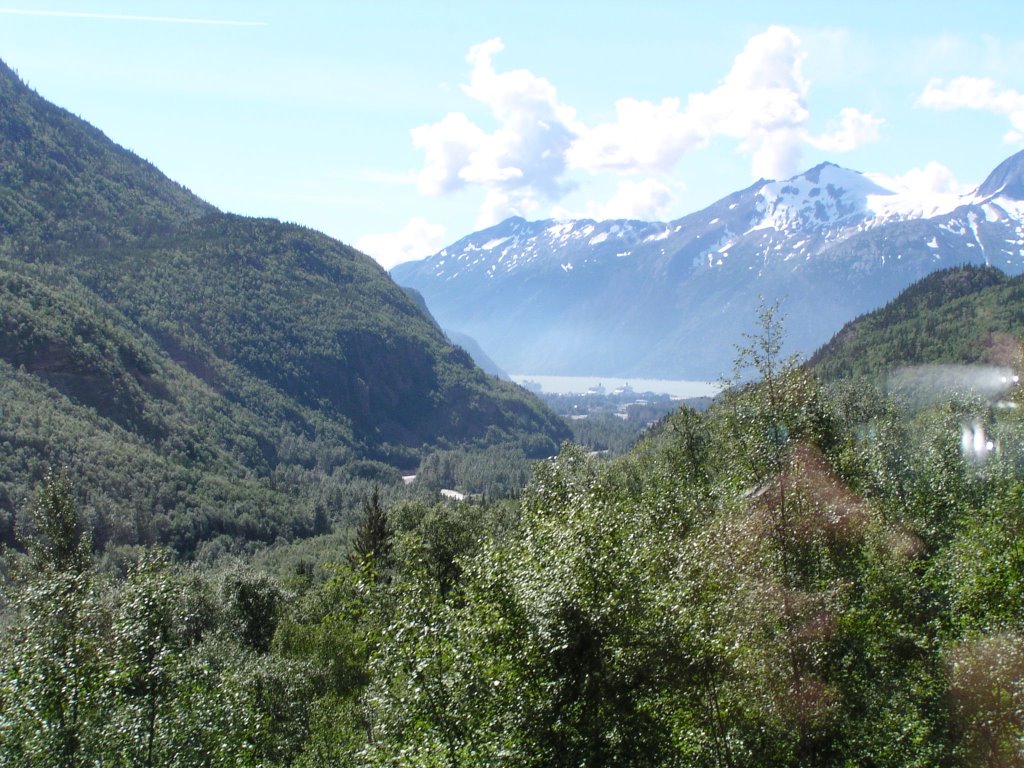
[(399, 127)]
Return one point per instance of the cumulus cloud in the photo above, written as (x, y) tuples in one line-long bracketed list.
[(979, 93), (855, 129), (764, 92), (969, 93), (645, 136), (648, 200), (449, 147), (761, 102), (931, 190), (500, 203), (416, 240), (522, 159), (934, 177), (526, 160)]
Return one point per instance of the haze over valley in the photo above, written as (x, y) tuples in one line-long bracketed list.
[(673, 299)]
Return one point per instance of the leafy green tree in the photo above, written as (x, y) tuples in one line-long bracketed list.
[(253, 604), (987, 691), (56, 540), (160, 614), (550, 650), (50, 678), (332, 629)]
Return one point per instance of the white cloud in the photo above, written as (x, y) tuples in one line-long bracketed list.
[(416, 240), (761, 102), (965, 92), (775, 155), (855, 129), (979, 93), (522, 159), (648, 200), (765, 90), (927, 191), (449, 145), (526, 161), (645, 136), (499, 204), (934, 177)]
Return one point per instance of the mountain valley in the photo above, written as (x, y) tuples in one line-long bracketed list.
[(259, 508), (231, 366)]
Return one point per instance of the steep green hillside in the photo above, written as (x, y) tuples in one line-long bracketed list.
[(230, 366), (64, 184), (961, 315)]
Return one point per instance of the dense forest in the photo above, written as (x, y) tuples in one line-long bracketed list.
[(805, 574), (214, 383)]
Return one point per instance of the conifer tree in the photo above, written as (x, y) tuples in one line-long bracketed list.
[(373, 537)]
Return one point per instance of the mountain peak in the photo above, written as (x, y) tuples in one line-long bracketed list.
[(512, 220), (819, 199), (1007, 180), (814, 174), (830, 174), (669, 300)]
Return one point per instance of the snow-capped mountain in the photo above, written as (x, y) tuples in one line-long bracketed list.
[(634, 298)]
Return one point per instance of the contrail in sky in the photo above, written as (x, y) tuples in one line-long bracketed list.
[(125, 17)]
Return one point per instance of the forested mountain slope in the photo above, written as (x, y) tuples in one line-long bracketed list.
[(227, 365), (963, 315)]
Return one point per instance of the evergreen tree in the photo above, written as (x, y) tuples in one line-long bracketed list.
[(373, 539)]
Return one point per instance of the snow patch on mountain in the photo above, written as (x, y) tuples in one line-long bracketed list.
[(832, 198), (663, 235), (490, 245), (832, 242), (824, 196)]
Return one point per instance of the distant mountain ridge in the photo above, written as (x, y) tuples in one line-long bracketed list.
[(672, 299)]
